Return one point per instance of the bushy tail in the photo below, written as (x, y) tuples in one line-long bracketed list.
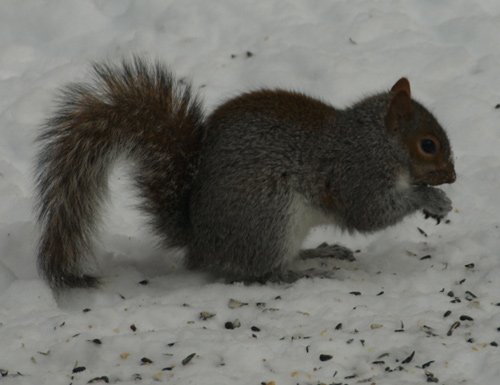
[(137, 110)]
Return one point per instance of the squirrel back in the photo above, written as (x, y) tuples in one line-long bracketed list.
[(240, 189)]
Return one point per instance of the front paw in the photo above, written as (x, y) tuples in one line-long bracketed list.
[(437, 205)]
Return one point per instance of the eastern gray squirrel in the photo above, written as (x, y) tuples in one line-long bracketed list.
[(238, 189)]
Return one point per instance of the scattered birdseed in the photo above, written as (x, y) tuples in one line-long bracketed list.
[(299, 337), (233, 303), (325, 357), (86, 310), (408, 359), (188, 359), (133, 327), (204, 315), (255, 329), (144, 282), (146, 361), (466, 318), (426, 257), (99, 379), (448, 312), (97, 341), (494, 344), (427, 364), (422, 232), (428, 330), (355, 293), (338, 327), (430, 377), (453, 327), (79, 369)]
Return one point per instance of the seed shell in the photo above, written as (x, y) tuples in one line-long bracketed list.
[(453, 327), (408, 359), (188, 359)]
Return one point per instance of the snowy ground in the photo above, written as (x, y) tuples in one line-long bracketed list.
[(385, 319)]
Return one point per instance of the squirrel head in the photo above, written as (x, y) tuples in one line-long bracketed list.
[(421, 134)]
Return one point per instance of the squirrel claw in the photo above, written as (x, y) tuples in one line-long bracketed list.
[(436, 217)]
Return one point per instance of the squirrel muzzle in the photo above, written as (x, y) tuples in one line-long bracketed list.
[(447, 175)]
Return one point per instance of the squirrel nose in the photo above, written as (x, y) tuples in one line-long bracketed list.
[(446, 172), (449, 175), (453, 177)]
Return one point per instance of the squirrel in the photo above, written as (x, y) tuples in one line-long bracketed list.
[(237, 189)]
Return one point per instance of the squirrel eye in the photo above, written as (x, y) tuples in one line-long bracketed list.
[(428, 146)]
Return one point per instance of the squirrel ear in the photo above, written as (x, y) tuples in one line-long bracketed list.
[(400, 108), (402, 85)]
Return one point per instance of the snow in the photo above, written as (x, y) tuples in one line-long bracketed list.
[(382, 307)]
